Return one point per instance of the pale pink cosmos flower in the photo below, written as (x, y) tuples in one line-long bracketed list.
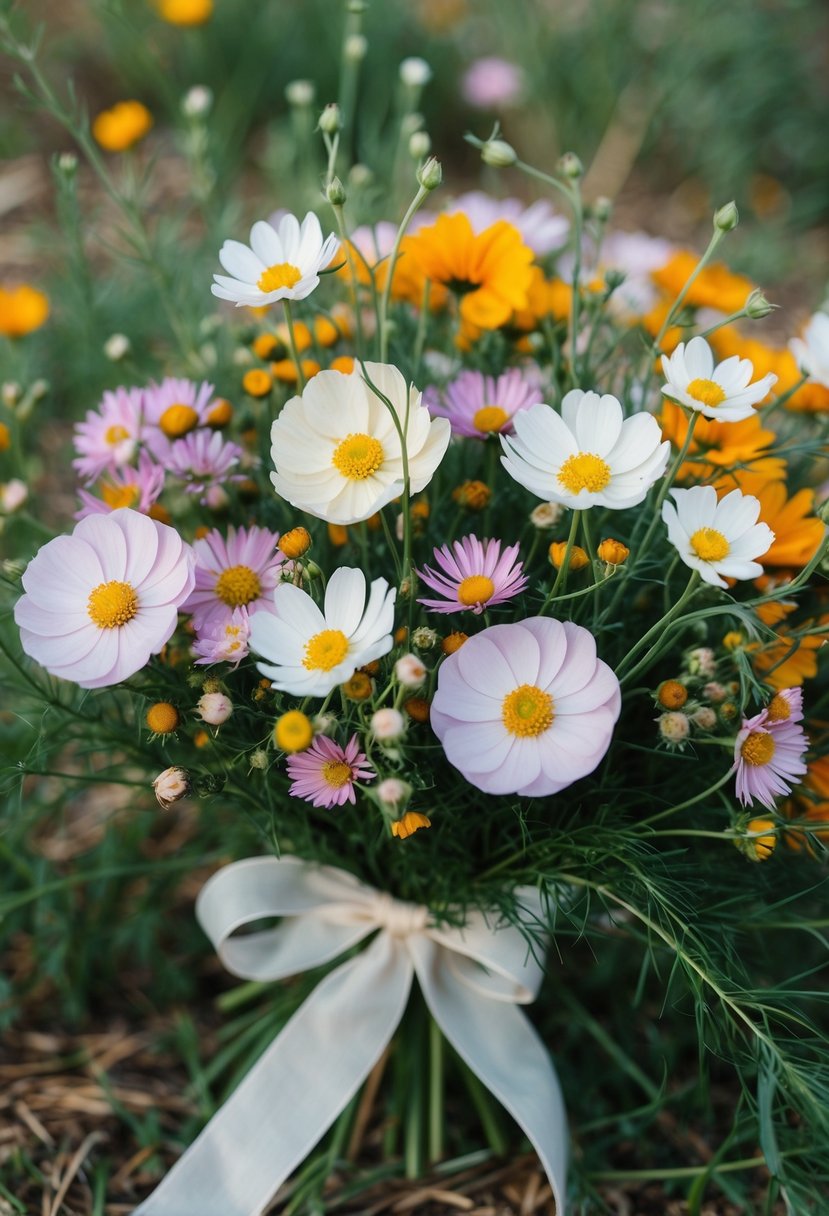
[(478, 406), (174, 408), (324, 774), (493, 83), (129, 487), (223, 640), (542, 228), (237, 573), (526, 708), (98, 603), (769, 750), (108, 437), (203, 459), (473, 575)]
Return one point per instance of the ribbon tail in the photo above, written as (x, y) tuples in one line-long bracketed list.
[(293, 1094), (503, 1049)]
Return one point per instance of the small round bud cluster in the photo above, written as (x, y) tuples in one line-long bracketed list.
[(214, 708), (410, 671), (701, 661), (259, 759), (704, 717), (388, 725), (674, 728), (715, 692), (425, 638), (162, 718), (171, 786)]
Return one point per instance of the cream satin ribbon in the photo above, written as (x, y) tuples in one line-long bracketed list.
[(472, 979)]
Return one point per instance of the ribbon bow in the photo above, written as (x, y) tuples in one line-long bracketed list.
[(472, 979)]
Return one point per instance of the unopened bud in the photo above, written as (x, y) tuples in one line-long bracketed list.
[(68, 164), (360, 176), (300, 92), (116, 347), (430, 175), (425, 638), (355, 48), (420, 145), (39, 390), (727, 218), (215, 708), (498, 153), (10, 393), (415, 72), (197, 102), (570, 166), (330, 120), (259, 759), (335, 192), (757, 306), (674, 727), (171, 786), (602, 209)]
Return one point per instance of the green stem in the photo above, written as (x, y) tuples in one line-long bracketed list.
[(289, 321), (657, 630), (353, 281), (683, 806), (436, 1107), (716, 237), (386, 296), (575, 305), (561, 576)]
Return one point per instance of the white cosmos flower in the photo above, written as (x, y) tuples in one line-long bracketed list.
[(309, 652), (722, 392), (281, 263), (589, 455), (812, 350), (336, 450), (717, 538)]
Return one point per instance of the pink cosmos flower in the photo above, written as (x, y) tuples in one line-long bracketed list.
[(203, 459), (491, 83), (478, 405), (540, 225), (174, 408), (526, 708), (473, 574), (138, 488), (234, 574), (107, 439), (98, 603), (769, 750), (223, 640), (325, 773)]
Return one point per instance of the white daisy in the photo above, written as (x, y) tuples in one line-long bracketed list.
[(281, 263), (717, 537), (336, 450), (589, 455), (309, 652), (812, 350), (722, 392)]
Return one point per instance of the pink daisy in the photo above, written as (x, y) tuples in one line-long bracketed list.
[(769, 750), (325, 773), (202, 460), (526, 708), (478, 405), (107, 439), (98, 603), (138, 488), (172, 409), (239, 573), (223, 640), (476, 575), (540, 225), (493, 83)]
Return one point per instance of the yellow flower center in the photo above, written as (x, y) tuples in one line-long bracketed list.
[(584, 472), (527, 712), (112, 604), (707, 392), (237, 586), (283, 274), (325, 650), (336, 773), (710, 545), (119, 496), (177, 420), (114, 435), (778, 709), (358, 456), (757, 749), (476, 589), (490, 418)]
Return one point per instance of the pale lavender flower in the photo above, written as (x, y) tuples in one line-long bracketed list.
[(223, 640), (493, 83), (108, 438), (130, 487), (478, 405), (174, 408), (473, 575), (768, 755), (236, 574), (324, 774), (202, 459), (526, 708)]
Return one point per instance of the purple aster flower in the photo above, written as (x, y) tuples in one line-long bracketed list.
[(203, 459), (137, 488), (325, 773), (769, 750), (108, 438), (473, 574), (526, 708), (237, 573), (223, 640), (478, 405)]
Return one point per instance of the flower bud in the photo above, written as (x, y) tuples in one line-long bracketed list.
[(704, 717), (453, 642), (757, 306), (387, 725), (300, 92), (171, 786), (613, 552), (602, 209), (360, 176), (425, 638), (116, 347), (13, 495), (410, 671), (162, 718), (415, 72), (215, 708), (570, 166), (259, 759), (330, 121), (67, 163), (335, 192), (420, 145), (358, 687), (498, 153), (10, 393), (578, 557), (674, 727), (295, 543), (546, 515), (355, 48), (430, 175), (392, 792), (727, 218), (701, 661), (760, 839), (410, 823), (197, 102), (671, 694)]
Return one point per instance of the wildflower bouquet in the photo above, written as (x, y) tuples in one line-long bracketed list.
[(470, 582)]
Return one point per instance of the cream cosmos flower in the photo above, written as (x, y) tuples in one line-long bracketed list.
[(281, 263), (336, 449)]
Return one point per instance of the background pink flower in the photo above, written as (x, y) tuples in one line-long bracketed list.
[(324, 774)]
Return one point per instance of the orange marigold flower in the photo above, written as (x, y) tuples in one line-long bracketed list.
[(264, 345), (718, 446), (185, 12), (358, 688), (162, 718), (490, 272), (325, 331), (453, 642), (342, 363), (797, 533), (474, 495), (811, 805), (302, 336), (411, 822), (788, 661), (715, 287), (122, 126), (5, 437), (257, 382), (671, 694), (219, 414), (285, 369), (338, 535), (417, 708), (613, 552), (22, 310), (295, 542), (578, 557)]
